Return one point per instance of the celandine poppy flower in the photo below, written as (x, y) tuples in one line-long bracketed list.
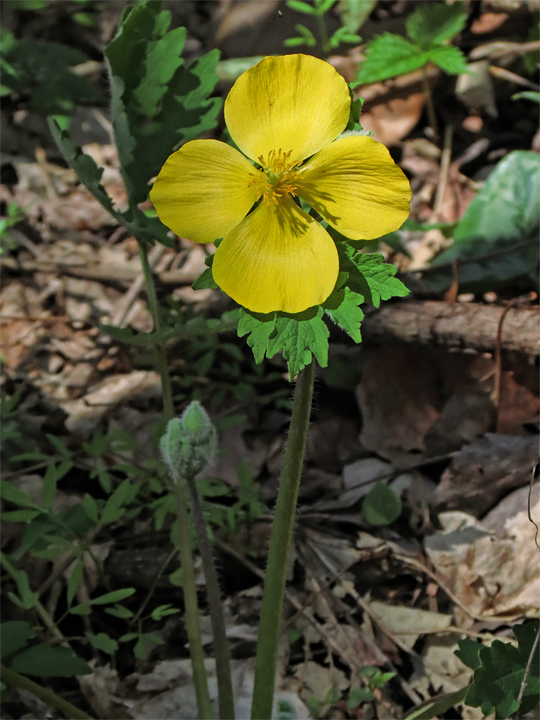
[(284, 114)]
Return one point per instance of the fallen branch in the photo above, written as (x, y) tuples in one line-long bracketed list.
[(454, 325)]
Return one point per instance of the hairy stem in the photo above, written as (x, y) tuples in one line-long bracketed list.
[(280, 542), (160, 349), (10, 677), (221, 647), (200, 680)]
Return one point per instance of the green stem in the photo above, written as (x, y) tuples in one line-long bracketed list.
[(204, 704), (13, 678), (160, 349), (200, 680), (221, 647), (323, 34), (43, 614), (432, 117), (280, 542)]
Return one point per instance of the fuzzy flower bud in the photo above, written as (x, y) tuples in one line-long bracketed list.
[(189, 443)]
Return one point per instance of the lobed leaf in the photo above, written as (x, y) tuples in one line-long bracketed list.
[(434, 23), (388, 56)]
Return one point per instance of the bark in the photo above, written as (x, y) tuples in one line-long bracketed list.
[(454, 325)]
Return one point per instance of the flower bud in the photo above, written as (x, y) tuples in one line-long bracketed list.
[(189, 443)]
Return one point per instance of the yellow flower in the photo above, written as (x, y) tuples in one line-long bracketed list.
[(284, 114)]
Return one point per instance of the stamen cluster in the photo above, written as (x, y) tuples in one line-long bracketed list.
[(280, 178)]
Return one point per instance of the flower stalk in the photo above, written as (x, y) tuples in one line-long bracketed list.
[(200, 681), (160, 350), (221, 647), (187, 447), (280, 543)]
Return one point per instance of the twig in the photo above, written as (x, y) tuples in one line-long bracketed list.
[(529, 514), (528, 667)]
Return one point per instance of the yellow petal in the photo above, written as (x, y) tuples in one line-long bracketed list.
[(204, 190), (294, 103), (356, 187), (278, 258)]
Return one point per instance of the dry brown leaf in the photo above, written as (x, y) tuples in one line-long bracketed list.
[(493, 574), (408, 624)]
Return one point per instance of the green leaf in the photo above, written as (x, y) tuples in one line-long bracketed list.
[(176, 578), (359, 696), (45, 661), (342, 35), (12, 494), (434, 23), (82, 609), (500, 671), (162, 60), (29, 599), (531, 95), (20, 515), (436, 707), (119, 611), (258, 328), (382, 505), (157, 102), (205, 281), (43, 69), (369, 275), (74, 581), (355, 12), (126, 335), (300, 337), (306, 33), (448, 58), (85, 167), (301, 7), (53, 474), (343, 307), (91, 507), (388, 56), (14, 635), (295, 42), (124, 494), (323, 6), (113, 597), (469, 653), (162, 611), (102, 642), (496, 242)]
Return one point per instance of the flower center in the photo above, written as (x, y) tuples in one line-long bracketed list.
[(279, 179)]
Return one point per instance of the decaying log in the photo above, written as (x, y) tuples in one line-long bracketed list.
[(454, 325)]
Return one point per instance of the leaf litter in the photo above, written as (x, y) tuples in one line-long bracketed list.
[(462, 556)]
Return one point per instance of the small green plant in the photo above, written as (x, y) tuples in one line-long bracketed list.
[(429, 29), (345, 34), (506, 678), (374, 680), (42, 71), (15, 215), (318, 707)]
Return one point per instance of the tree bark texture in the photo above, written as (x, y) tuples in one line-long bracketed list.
[(454, 325)]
